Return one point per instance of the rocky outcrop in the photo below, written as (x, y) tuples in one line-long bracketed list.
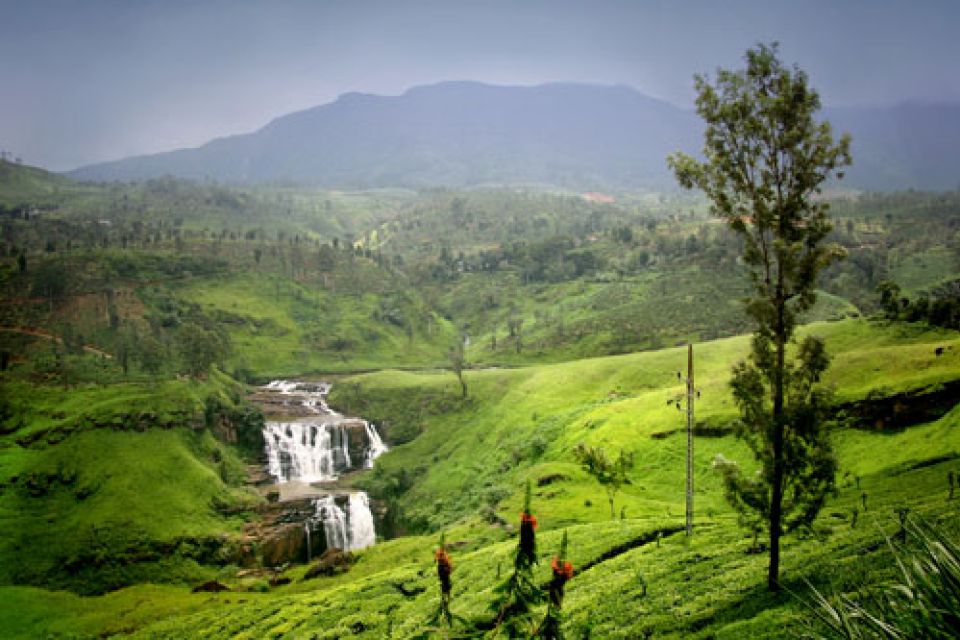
[(284, 544), (298, 530), (900, 410), (211, 586), (331, 563), (277, 536)]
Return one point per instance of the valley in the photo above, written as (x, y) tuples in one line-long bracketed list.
[(177, 377)]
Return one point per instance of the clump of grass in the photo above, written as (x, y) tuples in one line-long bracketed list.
[(923, 603)]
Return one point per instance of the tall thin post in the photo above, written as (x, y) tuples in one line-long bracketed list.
[(690, 396)]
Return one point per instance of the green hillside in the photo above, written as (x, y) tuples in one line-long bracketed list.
[(471, 459), (109, 486), (135, 320)]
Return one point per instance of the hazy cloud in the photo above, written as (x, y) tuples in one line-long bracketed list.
[(85, 81)]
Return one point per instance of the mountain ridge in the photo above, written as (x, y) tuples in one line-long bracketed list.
[(582, 136)]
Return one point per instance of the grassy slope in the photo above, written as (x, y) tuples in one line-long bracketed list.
[(710, 587), (96, 478), (23, 184), (473, 452), (582, 318), (283, 328)]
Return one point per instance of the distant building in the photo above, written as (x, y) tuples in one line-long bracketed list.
[(595, 196)]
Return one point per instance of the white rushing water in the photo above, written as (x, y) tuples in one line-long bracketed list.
[(316, 448), (346, 529)]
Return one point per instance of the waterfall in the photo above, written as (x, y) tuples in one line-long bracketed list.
[(334, 522), (306, 528), (362, 533), (316, 449), (375, 447), (348, 527), (305, 451)]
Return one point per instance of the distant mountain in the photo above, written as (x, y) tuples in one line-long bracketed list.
[(579, 136)]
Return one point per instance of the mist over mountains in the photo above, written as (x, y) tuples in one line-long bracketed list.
[(461, 134)]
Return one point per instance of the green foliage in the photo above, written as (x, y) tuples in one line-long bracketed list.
[(923, 603), (201, 348), (551, 628), (810, 465), (303, 280), (626, 585), (145, 492), (766, 158), (611, 474), (939, 307)]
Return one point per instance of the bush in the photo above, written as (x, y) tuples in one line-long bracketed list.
[(925, 603)]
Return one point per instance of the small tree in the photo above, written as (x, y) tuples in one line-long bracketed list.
[(611, 474), (200, 348), (765, 160), (458, 360), (890, 299), (124, 345), (151, 355)]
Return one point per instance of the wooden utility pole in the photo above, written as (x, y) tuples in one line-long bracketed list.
[(690, 397)]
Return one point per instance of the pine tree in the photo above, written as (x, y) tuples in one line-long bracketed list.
[(765, 161)]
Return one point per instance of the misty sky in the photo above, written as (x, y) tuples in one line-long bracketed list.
[(85, 80)]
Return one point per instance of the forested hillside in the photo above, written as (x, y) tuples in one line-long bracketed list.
[(487, 334)]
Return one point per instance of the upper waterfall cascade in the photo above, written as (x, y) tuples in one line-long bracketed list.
[(321, 446)]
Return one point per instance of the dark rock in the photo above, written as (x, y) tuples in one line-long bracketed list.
[(284, 543), (355, 432), (901, 410), (331, 563), (543, 481), (210, 586), (406, 591)]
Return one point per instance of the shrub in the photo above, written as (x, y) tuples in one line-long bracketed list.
[(924, 603)]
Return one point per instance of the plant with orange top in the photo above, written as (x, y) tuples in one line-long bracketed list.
[(519, 594), (562, 573), (444, 570)]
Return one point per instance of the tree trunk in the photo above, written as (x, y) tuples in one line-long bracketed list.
[(776, 493)]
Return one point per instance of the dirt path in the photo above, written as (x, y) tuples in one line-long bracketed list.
[(46, 335)]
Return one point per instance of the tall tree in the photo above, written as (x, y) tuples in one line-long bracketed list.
[(765, 159), (458, 360)]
